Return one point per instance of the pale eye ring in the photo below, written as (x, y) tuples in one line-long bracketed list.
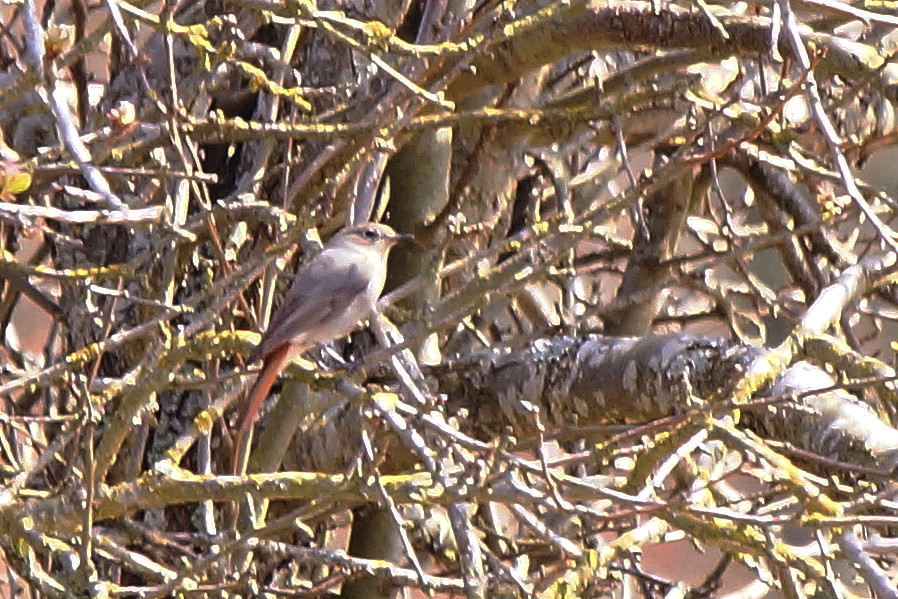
[(371, 234)]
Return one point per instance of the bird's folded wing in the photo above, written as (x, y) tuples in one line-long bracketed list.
[(321, 290)]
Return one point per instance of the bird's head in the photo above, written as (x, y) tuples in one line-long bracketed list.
[(369, 235)]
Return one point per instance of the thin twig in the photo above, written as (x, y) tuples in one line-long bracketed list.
[(790, 24)]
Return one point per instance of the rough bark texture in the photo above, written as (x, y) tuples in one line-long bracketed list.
[(653, 297)]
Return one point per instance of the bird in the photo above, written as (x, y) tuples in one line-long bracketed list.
[(327, 298)]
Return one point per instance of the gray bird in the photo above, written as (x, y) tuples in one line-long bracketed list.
[(328, 297)]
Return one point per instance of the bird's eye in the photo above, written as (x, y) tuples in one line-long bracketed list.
[(371, 234)]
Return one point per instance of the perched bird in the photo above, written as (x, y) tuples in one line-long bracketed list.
[(327, 299)]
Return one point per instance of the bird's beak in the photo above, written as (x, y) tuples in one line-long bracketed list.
[(400, 237)]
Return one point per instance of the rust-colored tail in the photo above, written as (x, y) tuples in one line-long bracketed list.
[(271, 368)]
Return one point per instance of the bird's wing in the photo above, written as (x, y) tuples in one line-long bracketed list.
[(321, 289)]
